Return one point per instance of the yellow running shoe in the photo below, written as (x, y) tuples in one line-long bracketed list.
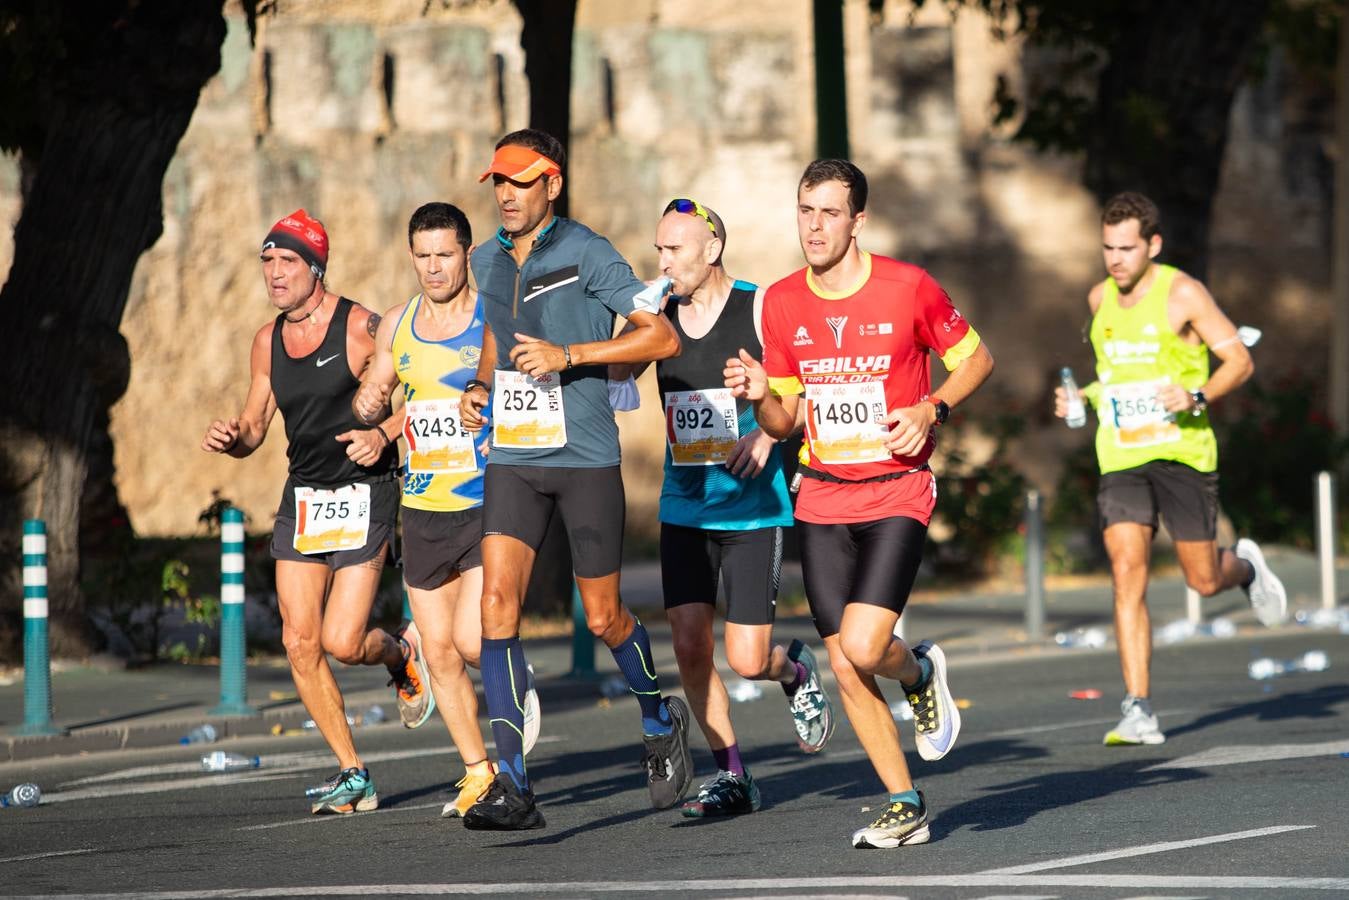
[(471, 788)]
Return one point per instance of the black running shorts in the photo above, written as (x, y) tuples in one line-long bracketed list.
[(518, 501), (384, 499), (1185, 498), (859, 562), (692, 560), (436, 545)]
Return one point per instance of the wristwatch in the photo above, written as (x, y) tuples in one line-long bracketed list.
[(475, 383), (1200, 402), (943, 409)]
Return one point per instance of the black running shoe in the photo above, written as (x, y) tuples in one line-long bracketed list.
[(724, 794), (667, 759), (504, 808)]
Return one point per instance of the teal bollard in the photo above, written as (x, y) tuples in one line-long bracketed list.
[(37, 669), (233, 671), (582, 641)]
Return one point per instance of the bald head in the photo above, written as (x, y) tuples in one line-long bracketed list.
[(689, 250)]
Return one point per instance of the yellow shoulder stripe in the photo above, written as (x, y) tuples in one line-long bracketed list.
[(786, 387), (962, 351)]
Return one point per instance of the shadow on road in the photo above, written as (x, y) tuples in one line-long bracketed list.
[(1313, 704)]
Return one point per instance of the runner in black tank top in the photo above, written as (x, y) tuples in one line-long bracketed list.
[(723, 506), (337, 511)]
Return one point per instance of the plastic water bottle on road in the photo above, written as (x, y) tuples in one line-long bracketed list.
[(1077, 413), (220, 761), (1265, 668), (743, 691), (202, 734), (1081, 637), (24, 795)]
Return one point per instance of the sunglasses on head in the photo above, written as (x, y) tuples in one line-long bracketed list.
[(692, 208)]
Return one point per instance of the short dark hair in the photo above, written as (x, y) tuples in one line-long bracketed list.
[(539, 142), (1133, 205), (840, 170), (437, 216)]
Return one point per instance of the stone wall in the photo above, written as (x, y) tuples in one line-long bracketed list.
[(361, 110)]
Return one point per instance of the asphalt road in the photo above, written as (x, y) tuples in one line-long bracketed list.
[(1246, 798)]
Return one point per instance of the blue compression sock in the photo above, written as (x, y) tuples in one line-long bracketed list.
[(503, 685), (634, 661), (925, 666)]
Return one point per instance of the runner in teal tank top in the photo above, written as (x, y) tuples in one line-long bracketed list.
[(723, 506), (1153, 328)]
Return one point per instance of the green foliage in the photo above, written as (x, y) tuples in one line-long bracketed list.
[(1272, 440), (1072, 529), (984, 503)]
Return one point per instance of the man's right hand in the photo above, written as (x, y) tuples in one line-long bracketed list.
[(745, 376), (471, 405), (370, 402), (221, 436), (1061, 401)]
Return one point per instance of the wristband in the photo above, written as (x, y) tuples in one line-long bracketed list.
[(475, 383), (380, 429), (566, 354)]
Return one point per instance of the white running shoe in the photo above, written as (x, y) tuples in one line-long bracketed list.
[(936, 720), (1139, 725), (1266, 593), (533, 713)]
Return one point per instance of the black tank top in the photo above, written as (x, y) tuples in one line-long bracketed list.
[(314, 395), (701, 360)]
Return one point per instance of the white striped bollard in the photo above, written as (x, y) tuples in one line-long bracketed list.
[(37, 671), (233, 672)]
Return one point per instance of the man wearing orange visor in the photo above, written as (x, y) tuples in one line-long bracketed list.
[(550, 290)]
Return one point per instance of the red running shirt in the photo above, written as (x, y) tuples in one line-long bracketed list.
[(858, 354)]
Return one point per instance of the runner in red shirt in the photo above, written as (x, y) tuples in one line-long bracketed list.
[(852, 332)]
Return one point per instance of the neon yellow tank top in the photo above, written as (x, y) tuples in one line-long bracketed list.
[(444, 465), (1137, 352)]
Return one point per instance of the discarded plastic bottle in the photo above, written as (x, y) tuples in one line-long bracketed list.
[(743, 691), (1081, 637), (1177, 631), (373, 716), (1077, 413), (901, 710), (24, 795), (1265, 668), (202, 734), (220, 761)]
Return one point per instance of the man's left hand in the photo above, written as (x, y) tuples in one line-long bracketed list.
[(364, 445), (750, 454), (536, 357), (911, 427)]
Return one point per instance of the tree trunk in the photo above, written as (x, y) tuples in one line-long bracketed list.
[(1162, 111), (113, 113), (546, 38)]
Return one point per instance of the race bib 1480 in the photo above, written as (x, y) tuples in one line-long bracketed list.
[(846, 422)]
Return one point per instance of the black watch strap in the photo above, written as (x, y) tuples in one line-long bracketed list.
[(475, 383), (943, 409)]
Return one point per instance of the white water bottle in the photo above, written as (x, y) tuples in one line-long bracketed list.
[(1077, 413), (25, 795), (220, 761)]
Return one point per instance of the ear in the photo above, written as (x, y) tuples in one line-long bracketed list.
[(712, 250), (858, 221), (1154, 246), (554, 187)]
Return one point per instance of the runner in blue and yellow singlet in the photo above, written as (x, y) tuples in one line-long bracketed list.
[(1152, 329), (431, 344)]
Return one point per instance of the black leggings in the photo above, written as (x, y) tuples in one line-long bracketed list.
[(859, 562)]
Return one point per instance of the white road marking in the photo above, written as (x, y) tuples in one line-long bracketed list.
[(795, 886), (1248, 753), (318, 820), (273, 767), (1144, 850), (32, 856)]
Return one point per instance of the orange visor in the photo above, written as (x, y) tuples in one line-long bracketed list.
[(520, 164)]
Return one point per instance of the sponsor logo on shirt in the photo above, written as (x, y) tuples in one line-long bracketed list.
[(802, 337), (1150, 330), (1123, 351), (469, 356), (404, 362), (951, 320), (836, 324), (842, 369), (874, 328)]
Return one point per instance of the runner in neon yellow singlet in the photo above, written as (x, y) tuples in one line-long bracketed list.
[(1152, 329)]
